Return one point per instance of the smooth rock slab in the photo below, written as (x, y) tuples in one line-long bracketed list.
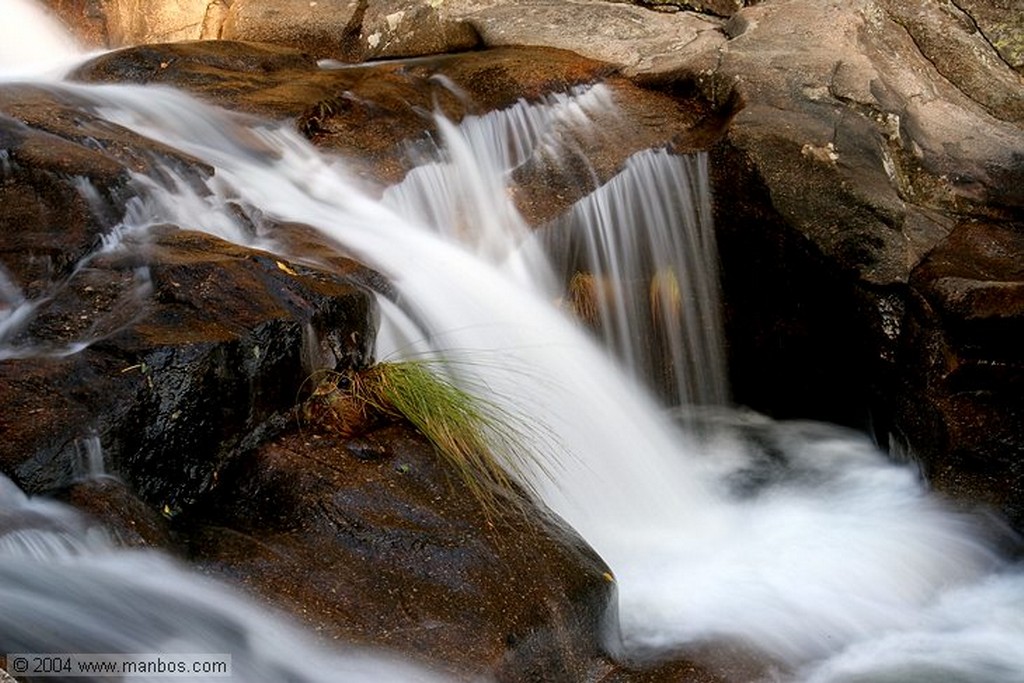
[(371, 539)]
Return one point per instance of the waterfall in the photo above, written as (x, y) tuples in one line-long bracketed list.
[(640, 253), (32, 41), (800, 539)]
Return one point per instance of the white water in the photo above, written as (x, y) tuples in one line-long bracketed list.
[(648, 247), (802, 539), (32, 41)]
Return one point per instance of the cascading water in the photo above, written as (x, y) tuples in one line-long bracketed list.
[(646, 267), (799, 539)]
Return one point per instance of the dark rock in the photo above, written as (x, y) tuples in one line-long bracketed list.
[(394, 551), (963, 404), (178, 350), (128, 520), (62, 169), (370, 114), (178, 374)]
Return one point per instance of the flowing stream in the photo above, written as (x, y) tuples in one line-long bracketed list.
[(800, 539)]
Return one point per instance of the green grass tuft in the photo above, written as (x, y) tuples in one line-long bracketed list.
[(486, 447)]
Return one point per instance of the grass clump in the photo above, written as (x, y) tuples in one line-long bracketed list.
[(485, 445)]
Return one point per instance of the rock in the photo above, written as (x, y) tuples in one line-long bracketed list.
[(177, 350), (350, 30), (86, 20), (326, 28), (961, 409), (133, 22), (1001, 22), (58, 188), (950, 41), (400, 28), (632, 38), (116, 23), (722, 8), (393, 550), (861, 143), (374, 114), (183, 368), (128, 520)]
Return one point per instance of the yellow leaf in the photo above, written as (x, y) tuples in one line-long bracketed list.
[(285, 268)]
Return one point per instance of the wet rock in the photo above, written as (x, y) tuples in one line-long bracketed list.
[(176, 349), (381, 117), (125, 518), (193, 352), (393, 550), (961, 409), (61, 169)]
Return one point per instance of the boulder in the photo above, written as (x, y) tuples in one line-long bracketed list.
[(179, 356), (400, 28), (59, 191), (350, 30), (326, 28), (392, 549), (868, 132), (962, 404), (176, 349), (116, 23), (634, 39), (722, 8)]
